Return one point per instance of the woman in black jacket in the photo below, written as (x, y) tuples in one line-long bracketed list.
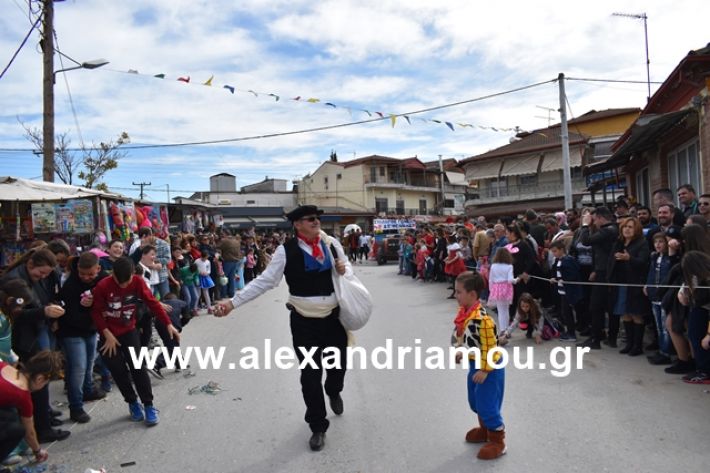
[(524, 261), (30, 328), (628, 264)]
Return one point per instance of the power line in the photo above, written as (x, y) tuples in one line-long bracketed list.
[(321, 128), (613, 80), (66, 81), (24, 41)]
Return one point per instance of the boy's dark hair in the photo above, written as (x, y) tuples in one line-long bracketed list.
[(666, 192), (204, 254), (59, 246), (471, 281), (559, 244), (15, 289), (123, 269), (88, 260), (603, 212), (144, 231), (148, 249), (659, 236), (169, 296), (193, 267)]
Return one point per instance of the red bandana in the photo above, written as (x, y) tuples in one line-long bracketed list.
[(315, 246), (462, 315)]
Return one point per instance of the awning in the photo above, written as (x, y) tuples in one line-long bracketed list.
[(25, 190), (645, 134), (456, 178), (520, 165), (485, 170), (274, 222), (553, 159), (238, 221)]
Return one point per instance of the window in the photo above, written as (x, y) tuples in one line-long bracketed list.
[(449, 203), (338, 176), (528, 181), (498, 187), (643, 187), (380, 205), (422, 206), (373, 174), (400, 207), (325, 182), (251, 202), (684, 167), (382, 171)]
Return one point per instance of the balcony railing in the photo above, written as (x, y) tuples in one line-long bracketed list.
[(400, 181), (405, 212), (526, 192)]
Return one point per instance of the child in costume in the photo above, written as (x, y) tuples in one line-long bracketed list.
[(486, 384), (528, 317)]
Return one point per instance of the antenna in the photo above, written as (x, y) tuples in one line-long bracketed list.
[(644, 18), (549, 114)]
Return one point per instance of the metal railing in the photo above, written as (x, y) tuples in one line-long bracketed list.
[(526, 192)]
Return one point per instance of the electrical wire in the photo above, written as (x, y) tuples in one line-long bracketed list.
[(613, 80), (321, 128), (24, 41), (66, 81)]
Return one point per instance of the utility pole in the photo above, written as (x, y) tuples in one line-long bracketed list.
[(441, 181), (48, 90), (142, 185), (566, 172)]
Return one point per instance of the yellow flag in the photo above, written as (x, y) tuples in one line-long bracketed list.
[(393, 119), (209, 81), (312, 100)]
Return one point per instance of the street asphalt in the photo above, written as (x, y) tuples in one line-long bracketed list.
[(617, 414)]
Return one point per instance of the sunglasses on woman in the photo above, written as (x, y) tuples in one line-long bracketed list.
[(311, 219)]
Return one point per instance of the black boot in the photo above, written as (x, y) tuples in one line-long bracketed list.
[(638, 340), (629, 329)]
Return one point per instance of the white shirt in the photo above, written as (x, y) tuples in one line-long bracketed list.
[(274, 272), (501, 272)]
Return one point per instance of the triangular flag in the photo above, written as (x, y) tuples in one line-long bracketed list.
[(184, 79), (393, 119), (436, 121), (132, 71), (368, 113), (331, 104), (313, 100), (407, 118), (494, 129), (160, 76), (230, 88), (450, 125), (380, 114), (255, 94), (275, 97), (209, 81), (296, 98)]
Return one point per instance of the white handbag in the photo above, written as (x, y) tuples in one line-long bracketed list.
[(353, 297)]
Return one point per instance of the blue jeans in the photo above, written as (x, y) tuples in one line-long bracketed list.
[(189, 295), (79, 353), (230, 270), (486, 399), (163, 287), (664, 338)]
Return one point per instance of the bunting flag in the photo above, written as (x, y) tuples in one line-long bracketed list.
[(313, 100)]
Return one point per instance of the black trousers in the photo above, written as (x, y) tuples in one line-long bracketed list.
[(11, 431), (566, 314), (599, 305), (120, 366), (321, 333)]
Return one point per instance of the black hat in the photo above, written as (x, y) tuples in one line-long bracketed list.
[(302, 211), (674, 231)]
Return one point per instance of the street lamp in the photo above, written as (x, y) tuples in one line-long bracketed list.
[(641, 16)]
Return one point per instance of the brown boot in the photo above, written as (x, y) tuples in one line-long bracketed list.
[(495, 446), (477, 434)]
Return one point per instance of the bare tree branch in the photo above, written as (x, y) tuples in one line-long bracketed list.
[(66, 163)]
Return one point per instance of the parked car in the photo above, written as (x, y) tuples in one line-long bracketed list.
[(388, 248)]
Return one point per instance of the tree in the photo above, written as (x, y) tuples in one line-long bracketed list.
[(101, 158), (66, 162)]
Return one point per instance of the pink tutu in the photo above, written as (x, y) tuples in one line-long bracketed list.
[(501, 292)]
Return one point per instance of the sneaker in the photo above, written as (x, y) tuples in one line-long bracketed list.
[(136, 411), (52, 435), (156, 372), (94, 395), (680, 367), (151, 416), (12, 460), (106, 385), (699, 377), (80, 416), (568, 337)]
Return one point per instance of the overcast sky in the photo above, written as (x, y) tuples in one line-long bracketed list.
[(383, 56)]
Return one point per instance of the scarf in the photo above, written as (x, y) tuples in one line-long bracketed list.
[(463, 314), (315, 247)]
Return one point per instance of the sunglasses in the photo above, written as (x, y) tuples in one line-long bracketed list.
[(311, 219)]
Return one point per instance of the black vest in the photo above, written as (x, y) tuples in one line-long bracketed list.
[(302, 283)]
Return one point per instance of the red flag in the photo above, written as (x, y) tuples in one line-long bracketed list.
[(184, 79)]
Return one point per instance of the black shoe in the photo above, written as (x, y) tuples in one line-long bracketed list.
[(610, 343), (317, 441), (586, 332), (653, 346), (55, 413), (156, 372), (79, 416), (659, 359), (637, 339), (94, 395), (54, 422), (681, 367), (629, 329), (52, 435), (592, 343), (336, 403)]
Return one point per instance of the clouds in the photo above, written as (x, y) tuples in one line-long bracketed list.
[(388, 55)]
